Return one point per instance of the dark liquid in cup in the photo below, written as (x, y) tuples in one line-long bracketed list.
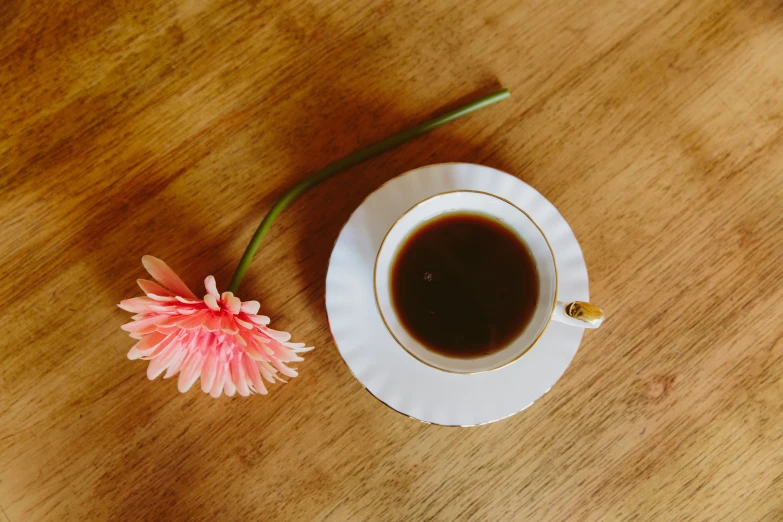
[(464, 285)]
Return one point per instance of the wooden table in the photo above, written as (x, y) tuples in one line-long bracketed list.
[(169, 128)]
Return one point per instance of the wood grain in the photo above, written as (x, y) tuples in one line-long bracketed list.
[(169, 127)]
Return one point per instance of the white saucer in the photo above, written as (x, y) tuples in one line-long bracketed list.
[(390, 373)]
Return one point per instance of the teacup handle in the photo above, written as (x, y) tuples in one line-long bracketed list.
[(578, 313)]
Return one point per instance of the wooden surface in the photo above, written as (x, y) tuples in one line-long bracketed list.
[(169, 128)]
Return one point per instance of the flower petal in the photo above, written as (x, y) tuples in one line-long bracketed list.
[(136, 305), (299, 347), (250, 307), (161, 272), (151, 287), (217, 386), (267, 349), (156, 367), (162, 361), (161, 308), (143, 326), (238, 375), (150, 341), (251, 370), (211, 286), (267, 372), (244, 324), (285, 370), (176, 361), (187, 301), (211, 302), (227, 324), (169, 321), (233, 303), (277, 335), (162, 298), (190, 372), (229, 388), (160, 347), (211, 322), (251, 347), (193, 321), (167, 329), (208, 373), (259, 319)]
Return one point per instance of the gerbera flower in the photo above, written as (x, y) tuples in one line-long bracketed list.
[(218, 339)]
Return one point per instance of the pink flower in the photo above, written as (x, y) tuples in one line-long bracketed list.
[(219, 339)]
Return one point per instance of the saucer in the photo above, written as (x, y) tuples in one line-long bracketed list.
[(389, 372)]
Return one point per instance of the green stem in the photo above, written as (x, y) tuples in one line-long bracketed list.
[(346, 163)]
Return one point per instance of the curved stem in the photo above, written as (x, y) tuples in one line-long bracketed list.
[(346, 163)]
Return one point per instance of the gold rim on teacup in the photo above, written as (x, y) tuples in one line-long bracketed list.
[(578, 313)]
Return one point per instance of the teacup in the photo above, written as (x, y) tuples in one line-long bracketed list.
[(548, 308)]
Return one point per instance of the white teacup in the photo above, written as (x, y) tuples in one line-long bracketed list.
[(577, 313)]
